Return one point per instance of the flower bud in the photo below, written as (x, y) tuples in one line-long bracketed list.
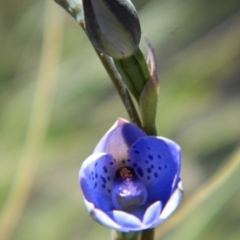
[(112, 26)]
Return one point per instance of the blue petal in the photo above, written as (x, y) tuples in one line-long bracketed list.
[(131, 133), (128, 221), (157, 163), (172, 204), (118, 140), (152, 214), (140, 211), (96, 179), (101, 217)]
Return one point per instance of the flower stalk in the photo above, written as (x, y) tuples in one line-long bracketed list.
[(126, 236), (121, 88), (147, 234)]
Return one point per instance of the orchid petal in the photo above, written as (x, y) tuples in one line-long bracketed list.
[(118, 140), (104, 219), (173, 202), (171, 205), (157, 163), (128, 221), (89, 205), (152, 214), (96, 178)]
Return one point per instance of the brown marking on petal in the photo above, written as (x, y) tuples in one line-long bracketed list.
[(125, 173)]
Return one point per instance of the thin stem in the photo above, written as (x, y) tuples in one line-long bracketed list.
[(121, 89), (125, 236), (119, 86), (148, 234)]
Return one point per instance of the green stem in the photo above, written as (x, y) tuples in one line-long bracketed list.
[(148, 234), (126, 236), (119, 86), (121, 89)]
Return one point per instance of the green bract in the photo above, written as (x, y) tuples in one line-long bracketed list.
[(112, 26)]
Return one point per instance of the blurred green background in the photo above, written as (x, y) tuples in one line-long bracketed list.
[(56, 101)]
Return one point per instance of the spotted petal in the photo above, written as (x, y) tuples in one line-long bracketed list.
[(157, 164), (96, 178)]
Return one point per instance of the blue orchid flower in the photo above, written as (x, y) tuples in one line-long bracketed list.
[(131, 181)]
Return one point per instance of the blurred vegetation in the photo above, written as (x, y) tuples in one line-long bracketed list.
[(56, 101)]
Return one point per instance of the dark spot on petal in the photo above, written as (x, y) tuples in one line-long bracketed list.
[(140, 171), (105, 169), (129, 160), (152, 166), (149, 170), (103, 185), (95, 185), (123, 161), (111, 163), (96, 163), (136, 151), (134, 146), (96, 175), (135, 165), (109, 190), (149, 148), (146, 161), (155, 175), (91, 173), (160, 168), (108, 178), (104, 179), (165, 166), (148, 177), (159, 156), (150, 157)]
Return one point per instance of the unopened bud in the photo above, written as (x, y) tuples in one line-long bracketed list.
[(112, 26)]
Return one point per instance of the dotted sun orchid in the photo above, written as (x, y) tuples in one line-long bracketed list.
[(131, 181)]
